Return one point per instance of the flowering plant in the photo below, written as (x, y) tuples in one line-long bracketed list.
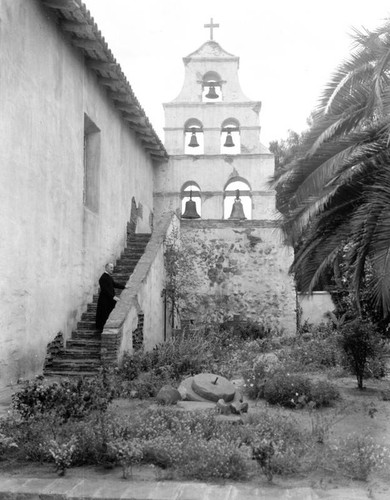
[(62, 454), (127, 453)]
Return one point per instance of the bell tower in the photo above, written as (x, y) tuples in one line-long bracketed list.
[(217, 181), (212, 134)]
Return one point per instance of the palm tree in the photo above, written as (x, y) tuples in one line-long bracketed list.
[(336, 195)]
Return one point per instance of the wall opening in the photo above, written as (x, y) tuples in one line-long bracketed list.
[(230, 137), (230, 194), (194, 189), (138, 334), (193, 137), (91, 161), (211, 87)]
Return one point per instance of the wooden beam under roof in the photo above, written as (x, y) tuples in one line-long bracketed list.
[(122, 97), (135, 119), (83, 43), (152, 147), (99, 65), (130, 109), (77, 28), (69, 5), (148, 138), (113, 83)]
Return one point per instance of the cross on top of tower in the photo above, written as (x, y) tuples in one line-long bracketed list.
[(211, 26)]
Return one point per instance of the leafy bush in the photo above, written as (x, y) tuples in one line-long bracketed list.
[(67, 399), (287, 389), (127, 453), (316, 349), (183, 355), (147, 385), (7, 443), (357, 456), (256, 376), (62, 454), (296, 391), (215, 458), (32, 437), (247, 330), (323, 393), (277, 443), (361, 343)]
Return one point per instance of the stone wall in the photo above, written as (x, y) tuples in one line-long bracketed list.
[(53, 247), (242, 269)]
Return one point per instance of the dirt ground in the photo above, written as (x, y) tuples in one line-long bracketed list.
[(361, 412)]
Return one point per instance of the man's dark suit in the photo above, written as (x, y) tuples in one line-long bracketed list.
[(106, 302)]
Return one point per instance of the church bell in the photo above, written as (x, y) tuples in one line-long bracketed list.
[(193, 141), (190, 210), (211, 93), (237, 209), (229, 140)]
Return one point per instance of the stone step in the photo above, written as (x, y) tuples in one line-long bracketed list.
[(135, 250), (83, 344), (128, 259), (49, 372), (89, 315), (86, 325), (86, 335), (68, 364), (79, 354), (122, 279)]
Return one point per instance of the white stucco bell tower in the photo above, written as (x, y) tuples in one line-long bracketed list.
[(212, 134), (217, 181)]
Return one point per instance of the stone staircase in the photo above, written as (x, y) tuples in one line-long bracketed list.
[(80, 356)]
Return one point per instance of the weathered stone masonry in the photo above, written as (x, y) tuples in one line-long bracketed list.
[(241, 266)]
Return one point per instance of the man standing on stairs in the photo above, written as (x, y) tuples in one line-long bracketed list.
[(107, 299)]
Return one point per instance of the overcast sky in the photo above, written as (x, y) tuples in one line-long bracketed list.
[(287, 48)]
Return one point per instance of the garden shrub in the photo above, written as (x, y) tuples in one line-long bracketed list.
[(7, 443), (361, 343), (126, 453), (316, 350), (211, 459), (32, 437), (357, 456), (287, 389), (182, 355), (323, 393), (296, 391), (247, 330), (74, 398), (62, 454), (277, 442)]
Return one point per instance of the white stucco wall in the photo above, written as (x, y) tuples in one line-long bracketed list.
[(315, 306), (53, 248)]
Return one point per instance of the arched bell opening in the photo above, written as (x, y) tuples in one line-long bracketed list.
[(191, 202), (237, 203), (211, 87), (193, 137), (230, 137)]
